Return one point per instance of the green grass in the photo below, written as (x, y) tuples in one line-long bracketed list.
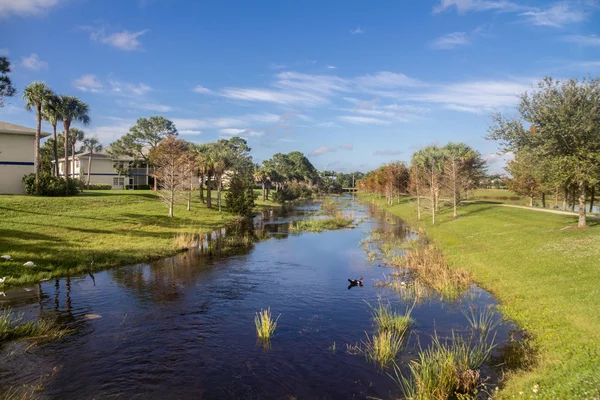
[(504, 196), (114, 227), (386, 319), (265, 325), (13, 326), (546, 280), (321, 224), (383, 347)]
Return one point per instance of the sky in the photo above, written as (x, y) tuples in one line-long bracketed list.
[(352, 84)]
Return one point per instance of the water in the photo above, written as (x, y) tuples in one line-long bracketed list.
[(183, 327)]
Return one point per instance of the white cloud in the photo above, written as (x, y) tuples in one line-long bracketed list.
[(241, 132), (331, 67), (124, 40), (497, 162), (321, 150), (201, 89), (129, 89), (273, 96), (583, 40), (150, 106), (88, 83), (557, 16), (4, 51), (387, 80), (226, 122), (110, 132), (458, 107), (33, 62), (363, 120), (387, 152), (451, 41), (347, 146), (25, 7), (357, 31), (324, 84), (463, 6), (189, 132)]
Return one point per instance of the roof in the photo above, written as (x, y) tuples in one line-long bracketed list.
[(12, 129), (97, 155)]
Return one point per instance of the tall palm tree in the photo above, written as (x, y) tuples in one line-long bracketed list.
[(36, 94), (72, 110), (51, 114), (91, 145), (77, 135)]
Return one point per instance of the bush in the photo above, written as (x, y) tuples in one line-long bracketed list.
[(292, 192), (144, 187), (51, 185), (100, 187), (240, 197)]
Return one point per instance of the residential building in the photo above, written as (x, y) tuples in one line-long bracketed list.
[(17, 156)]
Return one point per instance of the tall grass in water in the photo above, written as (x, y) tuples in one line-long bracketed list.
[(482, 322), (320, 225), (445, 369), (13, 326), (383, 347), (387, 319), (265, 325)]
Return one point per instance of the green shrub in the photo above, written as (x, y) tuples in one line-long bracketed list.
[(99, 187), (292, 192), (240, 197), (143, 187), (50, 185)]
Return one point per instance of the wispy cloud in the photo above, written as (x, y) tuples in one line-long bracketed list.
[(591, 40), (25, 7), (464, 6), (189, 132), (33, 62), (129, 89), (150, 106), (387, 152), (357, 31), (557, 16), (451, 41), (124, 40), (331, 67), (321, 150), (241, 132), (88, 83), (352, 119), (112, 130), (387, 80), (262, 120), (347, 146), (497, 162), (201, 89)]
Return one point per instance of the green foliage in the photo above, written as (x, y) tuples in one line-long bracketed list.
[(13, 326), (145, 135), (320, 225), (292, 192), (51, 186), (6, 87), (100, 187), (241, 196)]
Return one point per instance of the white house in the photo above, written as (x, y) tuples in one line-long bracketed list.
[(17, 156), (102, 171)]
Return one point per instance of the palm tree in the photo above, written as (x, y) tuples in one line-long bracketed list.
[(51, 114), (261, 176), (91, 145), (36, 94), (72, 110), (77, 135)]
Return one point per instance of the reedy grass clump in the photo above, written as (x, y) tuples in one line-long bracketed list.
[(483, 321), (383, 347), (445, 369), (265, 325), (13, 326), (387, 319), (320, 225)]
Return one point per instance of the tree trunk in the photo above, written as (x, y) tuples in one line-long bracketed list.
[(583, 188), (66, 124), (573, 200), (263, 191), (208, 194), (219, 188), (171, 202), (592, 198), (543, 200), (530, 201), (55, 148), (455, 195), (89, 168), (201, 182), (556, 197), (432, 201), (189, 200), (73, 160), (566, 196), (155, 184), (38, 132)]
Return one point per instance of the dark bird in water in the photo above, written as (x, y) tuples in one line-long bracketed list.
[(90, 271), (355, 282)]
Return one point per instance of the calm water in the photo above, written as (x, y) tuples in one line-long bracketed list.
[(183, 327)]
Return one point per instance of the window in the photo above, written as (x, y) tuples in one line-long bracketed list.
[(118, 181)]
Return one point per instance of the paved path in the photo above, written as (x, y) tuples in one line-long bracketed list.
[(574, 214)]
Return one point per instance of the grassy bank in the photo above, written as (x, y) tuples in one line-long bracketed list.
[(60, 235), (546, 279)]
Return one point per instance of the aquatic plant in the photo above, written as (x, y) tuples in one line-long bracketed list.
[(383, 347), (265, 325), (445, 369), (483, 321), (319, 225), (13, 326), (387, 319)]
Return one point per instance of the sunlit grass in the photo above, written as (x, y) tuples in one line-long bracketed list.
[(387, 319), (265, 325), (483, 321), (321, 224), (13, 326), (383, 347)]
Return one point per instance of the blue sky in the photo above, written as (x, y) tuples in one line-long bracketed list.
[(352, 84)]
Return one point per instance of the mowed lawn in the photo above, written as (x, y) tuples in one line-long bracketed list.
[(62, 234), (547, 280)]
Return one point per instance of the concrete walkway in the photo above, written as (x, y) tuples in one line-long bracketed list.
[(574, 214)]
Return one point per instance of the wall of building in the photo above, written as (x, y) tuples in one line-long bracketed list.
[(16, 161), (103, 173)]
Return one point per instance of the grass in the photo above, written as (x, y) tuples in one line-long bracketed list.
[(498, 195), (383, 347), (13, 326), (321, 224), (546, 280), (386, 319), (114, 227), (265, 325)]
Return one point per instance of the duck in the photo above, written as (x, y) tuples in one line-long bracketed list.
[(356, 282), (29, 264), (6, 257), (2, 280)]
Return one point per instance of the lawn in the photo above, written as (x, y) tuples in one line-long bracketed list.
[(61, 235), (498, 195), (546, 279)]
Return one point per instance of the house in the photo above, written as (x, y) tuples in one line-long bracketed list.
[(103, 171), (17, 156)]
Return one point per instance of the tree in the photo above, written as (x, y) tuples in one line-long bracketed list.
[(51, 114), (91, 145), (416, 184), (77, 135), (167, 157), (565, 117), (71, 110), (240, 197), (189, 167), (142, 138), (430, 160), (525, 177), (36, 94), (6, 87), (261, 176)]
